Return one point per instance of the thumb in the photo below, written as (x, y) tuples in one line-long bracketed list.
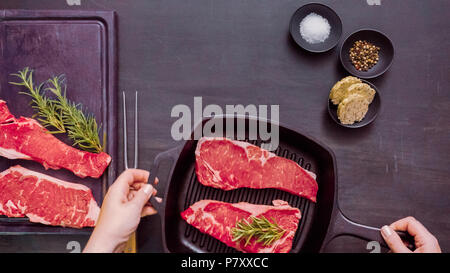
[(142, 196), (394, 241)]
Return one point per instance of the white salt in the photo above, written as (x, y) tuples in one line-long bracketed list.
[(314, 28)]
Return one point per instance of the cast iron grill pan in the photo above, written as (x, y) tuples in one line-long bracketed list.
[(320, 223), (184, 189)]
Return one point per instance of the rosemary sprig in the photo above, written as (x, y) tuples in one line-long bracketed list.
[(48, 113), (263, 230), (61, 113), (81, 128)]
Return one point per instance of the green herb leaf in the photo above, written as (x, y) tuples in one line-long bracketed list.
[(263, 230), (81, 128), (60, 113), (47, 112)]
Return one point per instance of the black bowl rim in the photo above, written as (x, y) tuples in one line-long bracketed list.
[(353, 126), (374, 75), (333, 45)]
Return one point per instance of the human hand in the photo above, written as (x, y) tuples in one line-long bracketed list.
[(124, 204), (425, 241)]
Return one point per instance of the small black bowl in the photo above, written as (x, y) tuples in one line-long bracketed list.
[(327, 13), (371, 114), (386, 53)]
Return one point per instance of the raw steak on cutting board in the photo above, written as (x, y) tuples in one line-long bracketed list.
[(229, 164), (25, 138), (217, 218), (45, 199)]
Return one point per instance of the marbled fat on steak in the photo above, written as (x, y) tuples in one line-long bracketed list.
[(217, 218), (45, 199), (228, 164), (25, 138)]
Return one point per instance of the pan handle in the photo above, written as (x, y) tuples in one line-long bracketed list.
[(161, 187), (344, 226)]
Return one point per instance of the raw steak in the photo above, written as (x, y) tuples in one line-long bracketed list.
[(45, 199), (217, 218), (5, 115), (229, 164), (25, 138)]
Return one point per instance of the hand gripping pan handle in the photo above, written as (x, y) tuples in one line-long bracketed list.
[(162, 185), (344, 226)]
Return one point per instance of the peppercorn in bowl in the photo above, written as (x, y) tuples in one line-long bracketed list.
[(367, 53)]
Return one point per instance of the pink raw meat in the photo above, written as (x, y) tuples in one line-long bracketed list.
[(25, 138), (217, 218), (45, 199), (228, 164)]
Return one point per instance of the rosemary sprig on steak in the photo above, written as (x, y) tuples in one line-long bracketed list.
[(61, 113), (260, 228)]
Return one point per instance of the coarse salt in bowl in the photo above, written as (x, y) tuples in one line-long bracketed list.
[(316, 27)]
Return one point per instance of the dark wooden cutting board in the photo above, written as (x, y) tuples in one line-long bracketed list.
[(82, 46)]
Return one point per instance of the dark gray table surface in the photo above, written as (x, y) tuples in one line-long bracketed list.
[(239, 52)]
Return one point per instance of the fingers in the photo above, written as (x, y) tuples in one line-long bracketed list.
[(137, 186), (410, 225), (142, 196), (394, 241), (135, 189), (423, 239), (131, 176), (127, 179), (130, 195), (148, 210)]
